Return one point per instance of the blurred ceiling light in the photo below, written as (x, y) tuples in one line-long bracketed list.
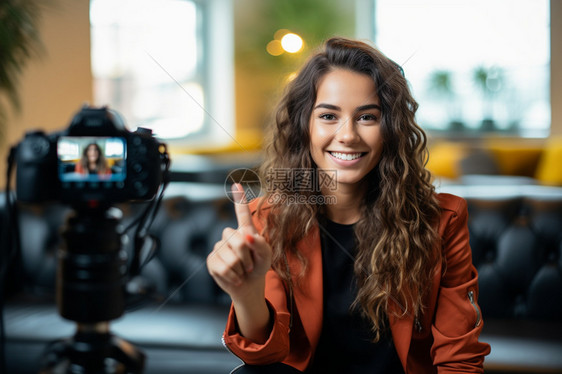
[(274, 48), (290, 77), (292, 43), (279, 34)]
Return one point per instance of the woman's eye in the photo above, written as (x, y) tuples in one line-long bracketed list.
[(368, 117), (328, 117)]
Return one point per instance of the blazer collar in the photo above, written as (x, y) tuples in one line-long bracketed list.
[(308, 291)]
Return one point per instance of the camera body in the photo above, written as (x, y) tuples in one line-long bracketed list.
[(95, 160)]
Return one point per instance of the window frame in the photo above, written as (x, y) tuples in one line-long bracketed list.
[(214, 72), (366, 28)]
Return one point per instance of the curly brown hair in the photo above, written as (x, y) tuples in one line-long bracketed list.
[(397, 239), (101, 162)]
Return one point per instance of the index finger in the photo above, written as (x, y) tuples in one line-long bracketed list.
[(243, 214)]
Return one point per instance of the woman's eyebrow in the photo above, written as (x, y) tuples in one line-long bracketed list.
[(368, 106), (328, 106), (337, 108)]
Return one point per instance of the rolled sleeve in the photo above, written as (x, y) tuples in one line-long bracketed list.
[(457, 327), (275, 349)]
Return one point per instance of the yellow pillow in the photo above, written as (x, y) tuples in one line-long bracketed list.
[(444, 159), (549, 170)]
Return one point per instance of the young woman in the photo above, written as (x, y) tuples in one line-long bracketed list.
[(368, 271), (93, 162)]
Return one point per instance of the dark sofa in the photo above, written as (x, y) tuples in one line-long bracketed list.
[(516, 241), (516, 238)]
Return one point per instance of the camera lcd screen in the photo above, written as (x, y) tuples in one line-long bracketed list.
[(91, 159)]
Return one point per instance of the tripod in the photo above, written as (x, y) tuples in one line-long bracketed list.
[(91, 279)]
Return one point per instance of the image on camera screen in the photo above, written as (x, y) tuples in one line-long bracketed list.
[(91, 159)]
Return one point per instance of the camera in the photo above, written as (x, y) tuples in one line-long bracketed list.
[(95, 160), (91, 165)]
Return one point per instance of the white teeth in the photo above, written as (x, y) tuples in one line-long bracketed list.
[(346, 156)]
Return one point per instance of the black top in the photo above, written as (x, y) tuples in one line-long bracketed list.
[(346, 343)]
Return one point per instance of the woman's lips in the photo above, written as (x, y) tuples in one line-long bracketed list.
[(346, 158)]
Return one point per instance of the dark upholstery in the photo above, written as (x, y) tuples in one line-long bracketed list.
[(178, 325), (516, 241), (516, 245)]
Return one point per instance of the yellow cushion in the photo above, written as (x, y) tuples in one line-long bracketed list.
[(444, 158), (549, 170), (515, 156)]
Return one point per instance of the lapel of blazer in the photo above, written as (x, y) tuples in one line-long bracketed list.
[(402, 327), (308, 291)]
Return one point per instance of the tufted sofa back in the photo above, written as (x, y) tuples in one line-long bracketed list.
[(517, 248), (185, 231), (516, 244)]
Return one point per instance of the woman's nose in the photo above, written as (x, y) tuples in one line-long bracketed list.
[(347, 133)]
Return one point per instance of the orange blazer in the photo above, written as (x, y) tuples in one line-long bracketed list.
[(443, 340)]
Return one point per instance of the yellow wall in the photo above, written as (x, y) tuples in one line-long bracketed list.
[(56, 84)]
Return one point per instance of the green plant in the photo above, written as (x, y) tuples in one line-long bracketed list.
[(309, 19), (440, 82), (490, 82), (19, 41)]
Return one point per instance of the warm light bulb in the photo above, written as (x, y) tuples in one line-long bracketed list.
[(291, 43), (280, 33), (290, 77), (274, 48)]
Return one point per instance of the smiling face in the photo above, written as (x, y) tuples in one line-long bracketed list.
[(345, 123), (92, 153)]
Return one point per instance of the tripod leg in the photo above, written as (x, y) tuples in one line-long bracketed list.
[(55, 356), (127, 354), (92, 353)]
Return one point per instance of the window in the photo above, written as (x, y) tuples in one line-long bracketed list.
[(152, 62), (474, 65)]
